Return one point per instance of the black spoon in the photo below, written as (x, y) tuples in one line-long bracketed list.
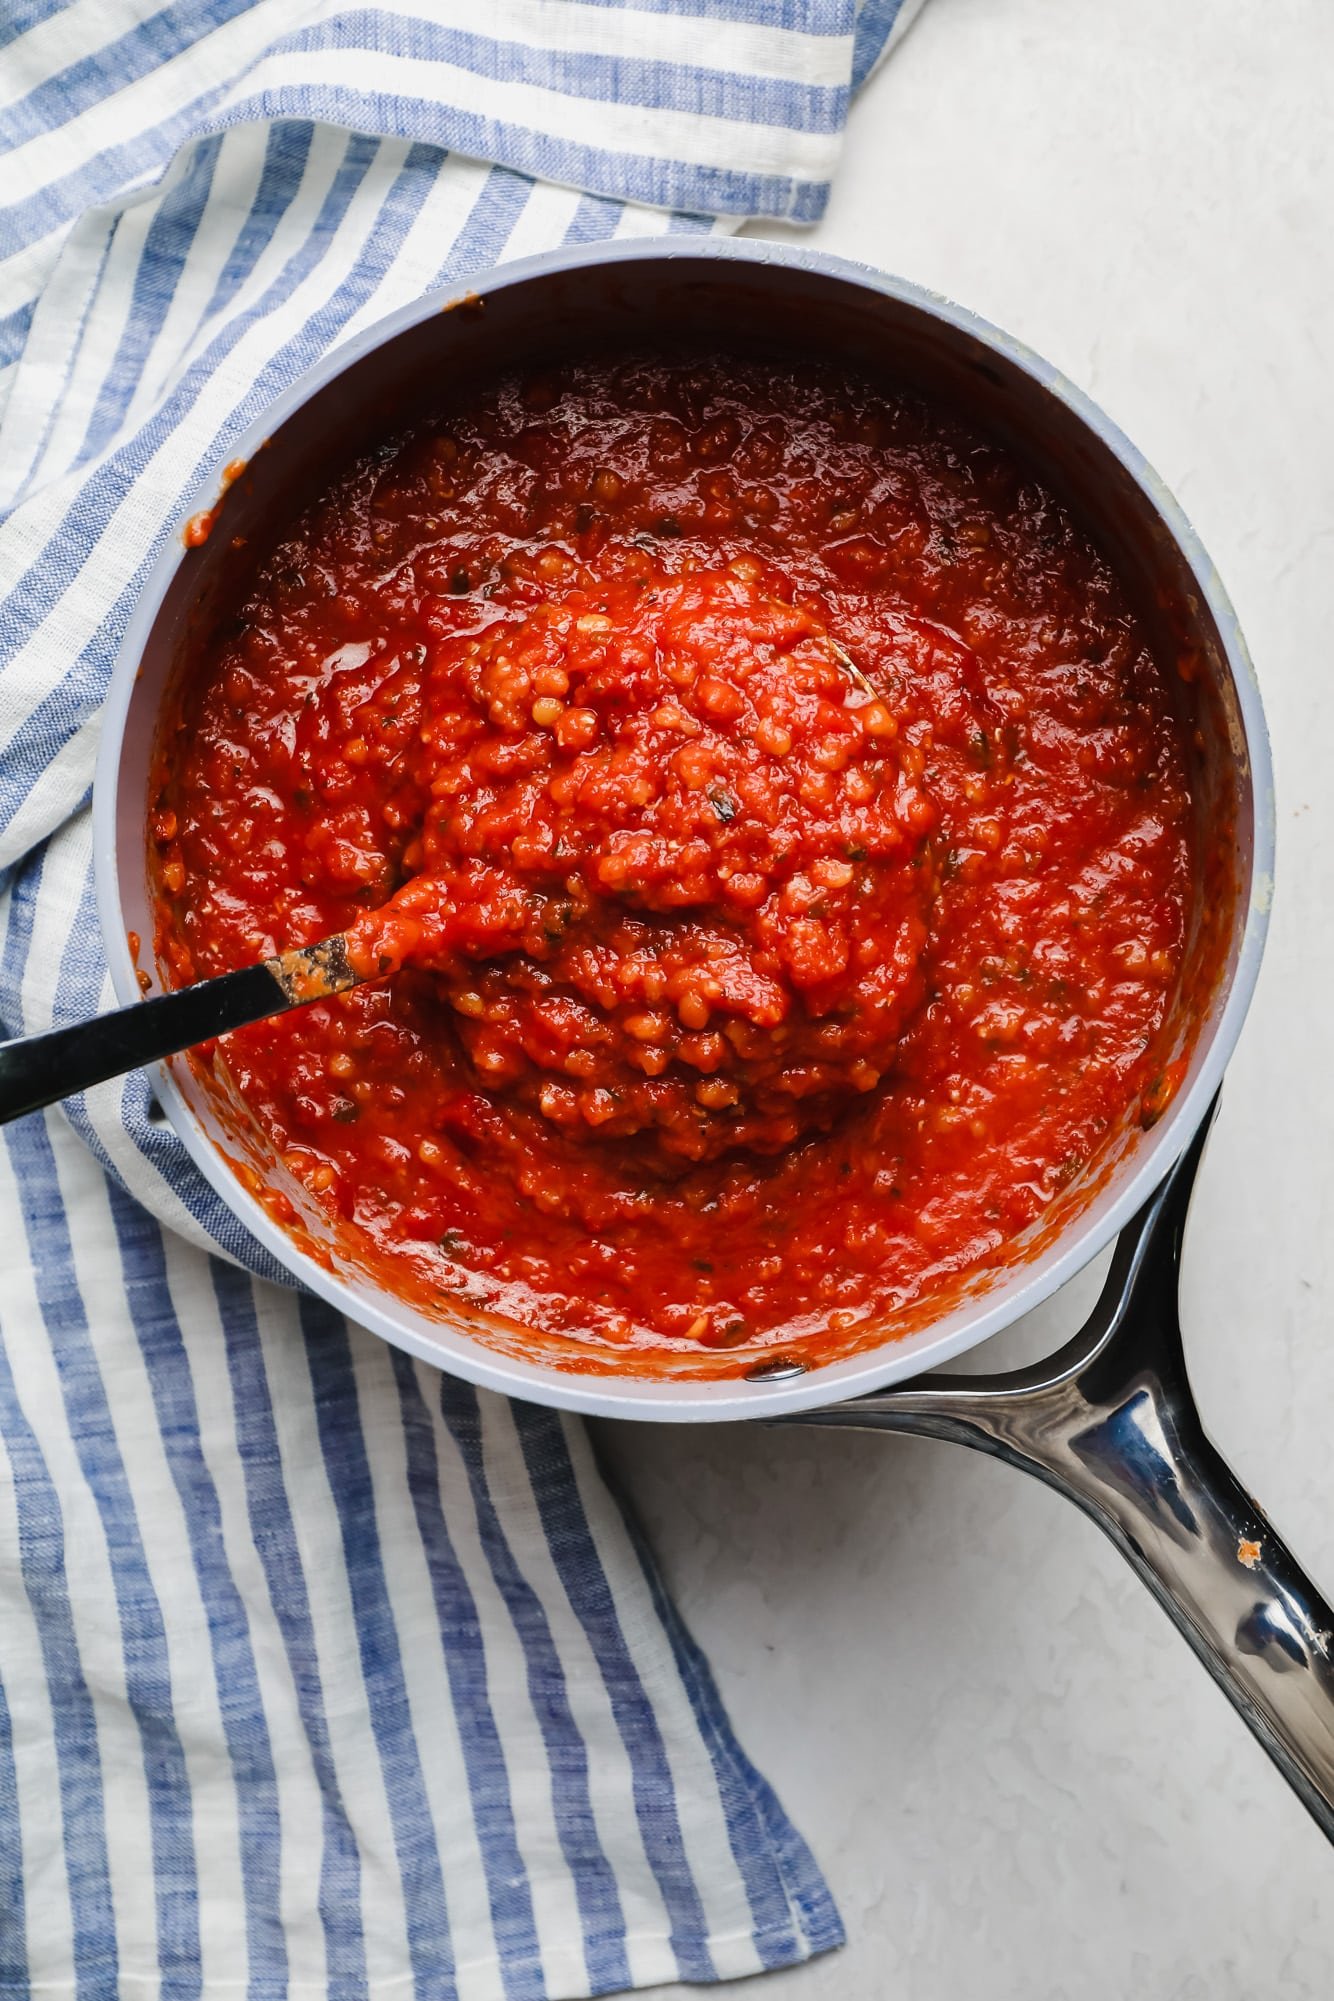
[(35, 1070)]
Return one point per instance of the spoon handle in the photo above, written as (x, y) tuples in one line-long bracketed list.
[(35, 1070)]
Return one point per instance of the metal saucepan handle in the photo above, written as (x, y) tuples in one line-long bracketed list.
[(1110, 1422)]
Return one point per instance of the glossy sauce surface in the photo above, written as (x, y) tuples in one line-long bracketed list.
[(787, 832)]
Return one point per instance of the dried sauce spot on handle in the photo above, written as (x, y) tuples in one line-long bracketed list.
[(314, 972)]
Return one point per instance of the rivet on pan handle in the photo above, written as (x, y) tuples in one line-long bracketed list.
[(776, 1371)]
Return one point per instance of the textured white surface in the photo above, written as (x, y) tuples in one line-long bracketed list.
[(1020, 1782)]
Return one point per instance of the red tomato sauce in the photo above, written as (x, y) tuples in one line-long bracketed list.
[(769, 823)]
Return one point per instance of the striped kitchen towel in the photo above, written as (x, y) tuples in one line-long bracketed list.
[(318, 1672)]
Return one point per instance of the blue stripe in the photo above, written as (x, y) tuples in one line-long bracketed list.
[(503, 198), (286, 152), (41, 1552), (806, 17), (274, 1531), (647, 178), (803, 17), (594, 220), (594, 1880), (583, 75), (14, 328), (465, 1662), (83, 965), (576, 1557), (143, 1630), (875, 25), (776, 1866), (20, 15), (144, 1271), (63, 94), (343, 1443), (13, 1903), (166, 246)]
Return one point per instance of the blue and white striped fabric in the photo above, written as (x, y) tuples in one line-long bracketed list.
[(317, 1672)]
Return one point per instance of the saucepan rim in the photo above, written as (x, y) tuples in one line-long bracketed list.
[(961, 1326)]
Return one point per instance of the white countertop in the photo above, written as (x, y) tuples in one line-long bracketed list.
[(1019, 1781)]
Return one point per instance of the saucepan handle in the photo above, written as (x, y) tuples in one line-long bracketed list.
[(1149, 1476), (1111, 1423)]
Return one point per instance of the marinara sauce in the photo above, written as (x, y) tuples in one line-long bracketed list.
[(767, 820)]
